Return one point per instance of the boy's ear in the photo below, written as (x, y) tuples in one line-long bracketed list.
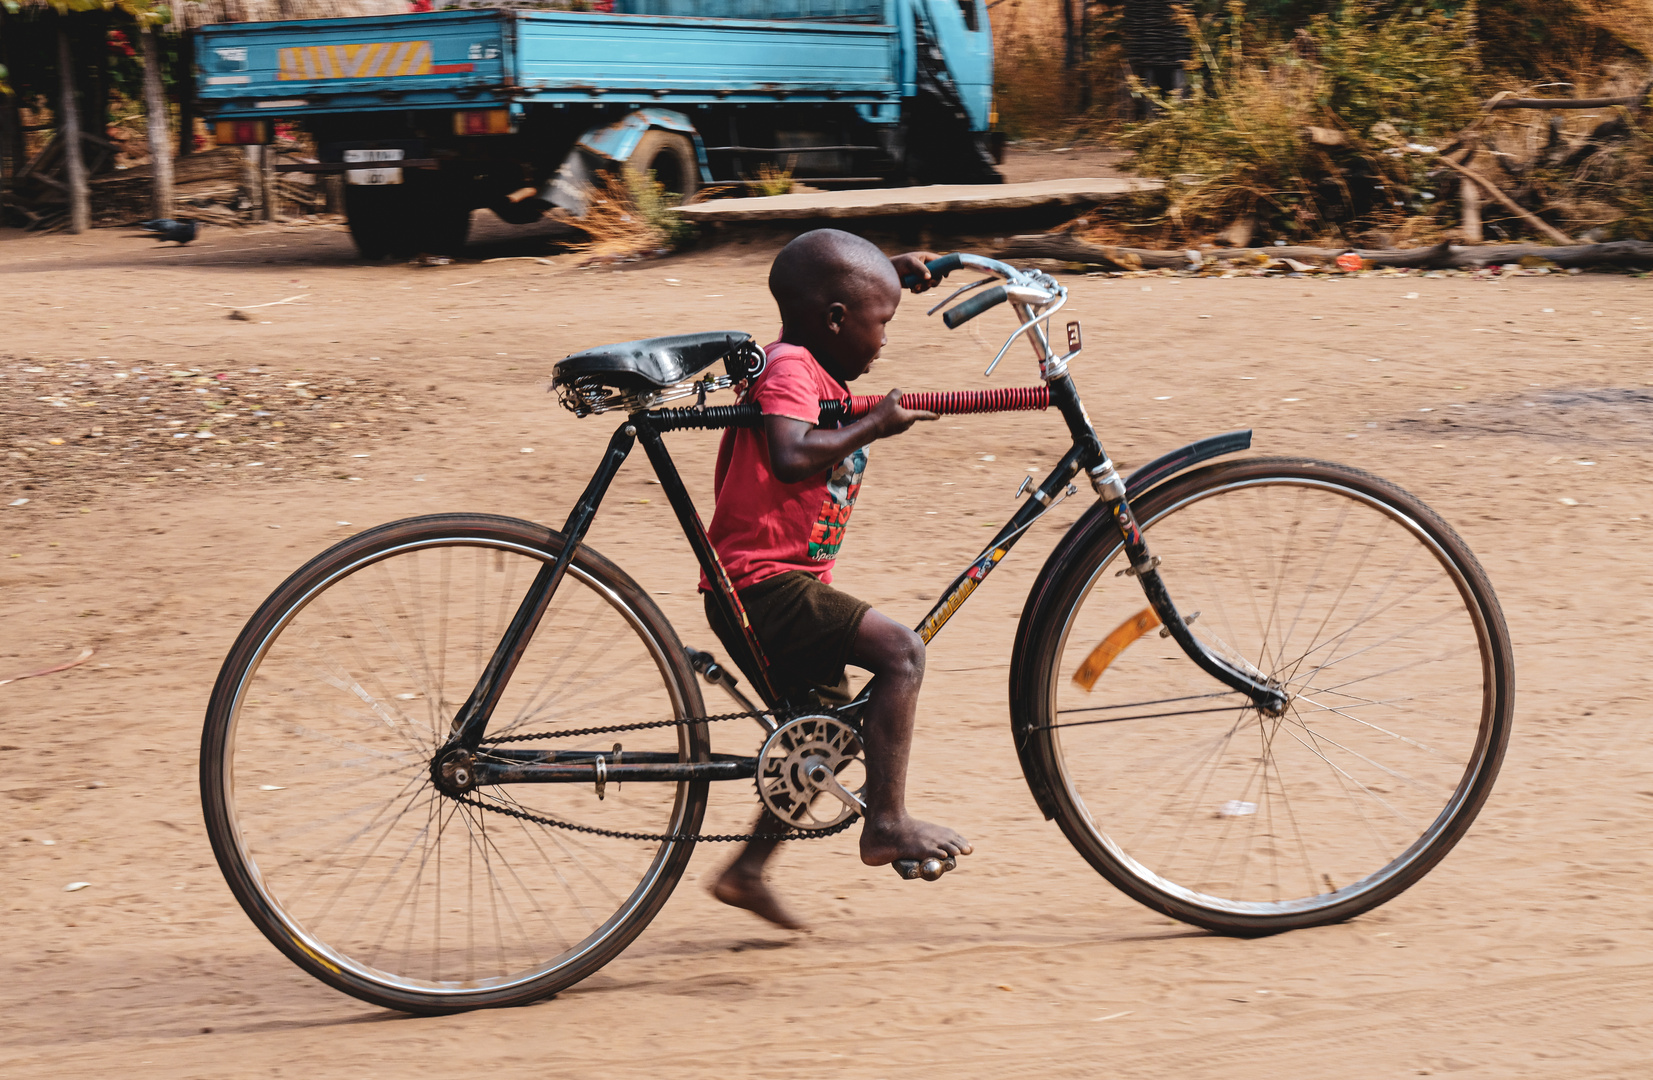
[(835, 315)]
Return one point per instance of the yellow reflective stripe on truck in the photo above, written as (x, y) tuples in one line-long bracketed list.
[(379, 60)]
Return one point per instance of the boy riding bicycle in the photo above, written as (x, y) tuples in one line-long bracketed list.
[(784, 496)]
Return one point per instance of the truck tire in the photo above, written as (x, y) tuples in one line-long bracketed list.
[(377, 217), (671, 158), (442, 229)]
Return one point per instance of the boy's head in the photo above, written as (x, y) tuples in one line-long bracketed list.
[(836, 292)]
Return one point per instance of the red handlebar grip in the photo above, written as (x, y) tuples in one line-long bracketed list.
[(958, 402)]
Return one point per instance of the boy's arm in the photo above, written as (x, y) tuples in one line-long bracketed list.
[(799, 450), (913, 263)]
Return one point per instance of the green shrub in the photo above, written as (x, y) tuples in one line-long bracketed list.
[(1238, 143)]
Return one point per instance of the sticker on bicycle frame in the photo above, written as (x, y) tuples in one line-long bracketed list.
[(1127, 524), (968, 582), (1073, 336)]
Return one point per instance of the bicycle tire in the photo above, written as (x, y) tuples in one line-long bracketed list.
[(1162, 803), (350, 860)]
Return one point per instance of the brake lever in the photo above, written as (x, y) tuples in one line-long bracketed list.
[(960, 291)]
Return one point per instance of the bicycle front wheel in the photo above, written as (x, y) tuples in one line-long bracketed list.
[(1346, 591), (316, 768)]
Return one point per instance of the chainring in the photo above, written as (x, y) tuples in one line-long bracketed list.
[(794, 755)]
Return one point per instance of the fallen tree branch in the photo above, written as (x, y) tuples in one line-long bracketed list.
[(1508, 203), (1570, 103), (1069, 248), (1065, 247)]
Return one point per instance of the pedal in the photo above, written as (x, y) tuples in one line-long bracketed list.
[(928, 869)]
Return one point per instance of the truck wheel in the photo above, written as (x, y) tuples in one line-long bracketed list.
[(443, 229), (671, 158), (439, 213), (378, 219)]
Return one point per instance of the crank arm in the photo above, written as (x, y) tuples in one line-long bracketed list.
[(827, 781)]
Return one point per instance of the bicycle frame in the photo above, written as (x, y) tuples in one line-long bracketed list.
[(1086, 455)]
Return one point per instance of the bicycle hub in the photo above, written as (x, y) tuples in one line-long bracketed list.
[(454, 773)]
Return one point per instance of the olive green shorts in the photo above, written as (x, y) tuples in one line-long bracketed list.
[(807, 630)]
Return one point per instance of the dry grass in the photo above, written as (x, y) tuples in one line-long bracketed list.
[(1630, 21), (631, 217), (772, 181)]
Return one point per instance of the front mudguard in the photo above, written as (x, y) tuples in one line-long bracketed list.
[(1082, 533)]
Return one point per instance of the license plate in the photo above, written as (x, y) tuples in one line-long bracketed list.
[(375, 176)]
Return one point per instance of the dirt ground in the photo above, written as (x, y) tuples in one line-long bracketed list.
[(1519, 408)]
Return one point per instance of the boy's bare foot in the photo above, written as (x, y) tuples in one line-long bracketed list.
[(743, 890), (909, 838)]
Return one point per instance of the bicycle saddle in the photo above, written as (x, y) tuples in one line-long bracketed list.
[(650, 363)]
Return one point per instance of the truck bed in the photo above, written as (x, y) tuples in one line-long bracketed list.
[(475, 58)]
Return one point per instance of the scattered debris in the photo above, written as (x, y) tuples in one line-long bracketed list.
[(74, 426), (81, 659)]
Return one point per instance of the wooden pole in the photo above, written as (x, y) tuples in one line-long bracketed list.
[(1469, 194), (68, 123), (8, 117), (184, 76), (252, 179), (267, 195), (160, 134)]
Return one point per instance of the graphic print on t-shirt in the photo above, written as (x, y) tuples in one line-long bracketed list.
[(842, 488)]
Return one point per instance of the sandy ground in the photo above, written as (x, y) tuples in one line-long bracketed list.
[(1523, 955)]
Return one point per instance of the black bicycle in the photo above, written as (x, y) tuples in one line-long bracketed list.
[(461, 760)]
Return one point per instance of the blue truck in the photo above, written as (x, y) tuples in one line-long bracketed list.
[(433, 115)]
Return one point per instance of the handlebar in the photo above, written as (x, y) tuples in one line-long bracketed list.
[(938, 269), (966, 310)]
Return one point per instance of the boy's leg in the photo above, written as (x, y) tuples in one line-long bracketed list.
[(742, 885), (895, 656)]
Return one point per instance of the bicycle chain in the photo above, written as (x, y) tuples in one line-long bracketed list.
[(685, 722), (618, 834)]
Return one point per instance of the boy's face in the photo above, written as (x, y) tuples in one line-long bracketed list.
[(858, 326)]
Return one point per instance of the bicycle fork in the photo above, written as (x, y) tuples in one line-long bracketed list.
[(1144, 565)]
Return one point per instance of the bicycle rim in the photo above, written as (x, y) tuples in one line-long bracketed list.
[(1380, 626), (318, 753)]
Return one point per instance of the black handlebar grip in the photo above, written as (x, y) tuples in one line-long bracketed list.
[(957, 316), (938, 270)]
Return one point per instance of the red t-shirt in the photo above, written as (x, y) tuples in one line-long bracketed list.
[(763, 526)]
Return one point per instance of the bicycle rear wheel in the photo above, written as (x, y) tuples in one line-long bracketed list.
[(1353, 596), (316, 768)]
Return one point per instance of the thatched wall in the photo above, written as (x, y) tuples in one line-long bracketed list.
[(188, 14)]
